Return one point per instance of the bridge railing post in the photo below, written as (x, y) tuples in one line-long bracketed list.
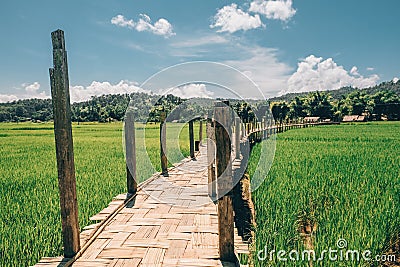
[(163, 144), (130, 153), (191, 139), (200, 130), (212, 190), (64, 145), (225, 181), (237, 137), (264, 127)]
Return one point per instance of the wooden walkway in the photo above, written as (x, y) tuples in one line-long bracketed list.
[(170, 222)]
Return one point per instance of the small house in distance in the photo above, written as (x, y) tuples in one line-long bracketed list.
[(311, 119), (353, 118)]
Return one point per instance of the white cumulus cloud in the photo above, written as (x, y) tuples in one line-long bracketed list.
[(32, 91), (395, 80), (32, 87), (354, 71), (7, 98), (28, 90), (232, 19), (315, 73), (160, 27), (121, 21), (274, 9), (81, 93), (191, 91)]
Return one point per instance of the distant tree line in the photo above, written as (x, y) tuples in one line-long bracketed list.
[(377, 102), (105, 108), (383, 104), (344, 91)]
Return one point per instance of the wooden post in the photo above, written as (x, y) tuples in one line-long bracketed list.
[(191, 139), (163, 144), (257, 128), (64, 145), (269, 126), (237, 137), (211, 159), (264, 127), (130, 153), (270, 131), (224, 176), (201, 131)]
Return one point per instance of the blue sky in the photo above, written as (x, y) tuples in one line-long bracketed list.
[(283, 46)]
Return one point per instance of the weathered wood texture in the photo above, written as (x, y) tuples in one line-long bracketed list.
[(64, 145), (212, 188), (225, 184), (130, 153), (191, 139), (163, 144), (201, 130), (237, 137)]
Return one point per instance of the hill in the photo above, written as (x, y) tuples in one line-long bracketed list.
[(342, 92)]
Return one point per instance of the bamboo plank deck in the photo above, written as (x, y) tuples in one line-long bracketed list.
[(171, 222)]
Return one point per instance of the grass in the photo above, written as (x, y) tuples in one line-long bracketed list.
[(344, 179), (30, 224)]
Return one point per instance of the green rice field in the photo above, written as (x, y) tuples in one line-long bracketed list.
[(342, 181)]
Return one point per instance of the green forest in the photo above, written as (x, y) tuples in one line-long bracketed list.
[(375, 103)]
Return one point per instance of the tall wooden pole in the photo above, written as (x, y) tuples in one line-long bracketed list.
[(163, 144), (130, 153), (224, 176), (191, 139), (64, 145)]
